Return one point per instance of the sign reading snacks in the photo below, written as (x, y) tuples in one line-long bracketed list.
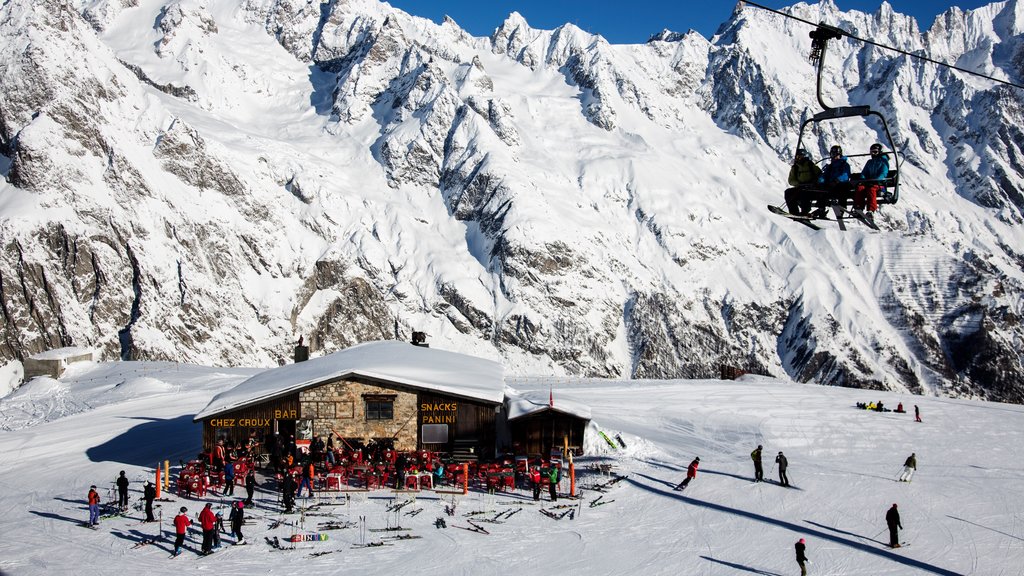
[(439, 412)]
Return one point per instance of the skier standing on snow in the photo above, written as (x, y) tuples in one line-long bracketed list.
[(535, 480), (691, 473), (149, 493), (553, 477), (801, 558), (94, 507), (783, 464), (208, 522), (288, 492), (122, 491), (908, 468), (758, 467), (892, 518), (181, 524), (237, 518), (229, 478), (917, 413)]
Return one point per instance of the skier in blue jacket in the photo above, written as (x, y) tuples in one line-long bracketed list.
[(835, 174), (876, 168)]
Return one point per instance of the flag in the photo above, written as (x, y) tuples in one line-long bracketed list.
[(551, 397)]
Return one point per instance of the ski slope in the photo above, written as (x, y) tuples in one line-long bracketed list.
[(963, 513)]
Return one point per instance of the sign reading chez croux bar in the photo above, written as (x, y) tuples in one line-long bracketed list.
[(253, 422), (439, 412)]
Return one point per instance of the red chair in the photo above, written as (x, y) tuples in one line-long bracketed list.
[(412, 482)]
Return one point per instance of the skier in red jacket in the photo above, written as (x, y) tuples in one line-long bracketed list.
[(181, 524), (208, 522), (691, 473)]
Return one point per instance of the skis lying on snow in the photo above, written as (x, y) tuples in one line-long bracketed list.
[(390, 529), (475, 527), (145, 542), (605, 486), (571, 513), (618, 438), (599, 502)]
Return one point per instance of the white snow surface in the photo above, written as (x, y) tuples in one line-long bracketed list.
[(414, 366), (961, 514)]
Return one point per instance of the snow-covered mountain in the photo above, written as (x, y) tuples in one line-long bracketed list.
[(207, 181)]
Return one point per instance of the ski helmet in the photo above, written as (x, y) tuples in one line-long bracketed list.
[(93, 487), (876, 147), (837, 149), (801, 152), (802, 541), (183, 510)]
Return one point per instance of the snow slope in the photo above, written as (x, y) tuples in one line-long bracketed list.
[(962, 513)]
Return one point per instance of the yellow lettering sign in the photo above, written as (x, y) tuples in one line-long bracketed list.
[(285, 414)]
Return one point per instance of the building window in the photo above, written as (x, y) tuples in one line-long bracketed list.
[(380, 409), (435, 433)]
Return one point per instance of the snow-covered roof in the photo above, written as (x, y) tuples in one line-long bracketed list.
[(533, 402), (392, 361), (63, 353)]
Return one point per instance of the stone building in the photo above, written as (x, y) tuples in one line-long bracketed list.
[(409, 397)]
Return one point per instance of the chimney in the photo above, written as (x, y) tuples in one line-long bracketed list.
[(301, 352), (420, 339)]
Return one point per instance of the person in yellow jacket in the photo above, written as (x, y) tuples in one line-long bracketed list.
[(803, 173)]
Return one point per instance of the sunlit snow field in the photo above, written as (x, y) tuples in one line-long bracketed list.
[(962, 513)]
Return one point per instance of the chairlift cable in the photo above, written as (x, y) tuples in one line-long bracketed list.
[(873, 43)]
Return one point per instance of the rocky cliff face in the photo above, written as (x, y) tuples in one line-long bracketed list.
[(206, 181)]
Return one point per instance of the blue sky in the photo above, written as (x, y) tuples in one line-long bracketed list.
[(635, 21)]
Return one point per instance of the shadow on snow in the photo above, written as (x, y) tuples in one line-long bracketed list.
[(799, 529), (152, 441)]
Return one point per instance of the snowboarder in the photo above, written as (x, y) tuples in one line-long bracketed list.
[(237, 518), (892, 518), (691, 473), (917, 413), (181, 524), (758, 467), (909, 466), (208, 522), (94, 507), (229, 478), (149, 494), (122, 491), (250, 486), (783, 464), (801, 558)]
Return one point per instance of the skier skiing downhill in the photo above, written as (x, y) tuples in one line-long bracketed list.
[(181, 524), (691, 473), (892, 519), (758, 467), (908, 468), (801, 558)]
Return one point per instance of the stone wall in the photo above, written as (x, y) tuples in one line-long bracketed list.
[(340, 405)]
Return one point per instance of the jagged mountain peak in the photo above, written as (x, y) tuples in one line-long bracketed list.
[(542, 196)]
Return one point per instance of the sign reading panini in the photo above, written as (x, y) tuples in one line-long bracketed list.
[(439, 412)]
